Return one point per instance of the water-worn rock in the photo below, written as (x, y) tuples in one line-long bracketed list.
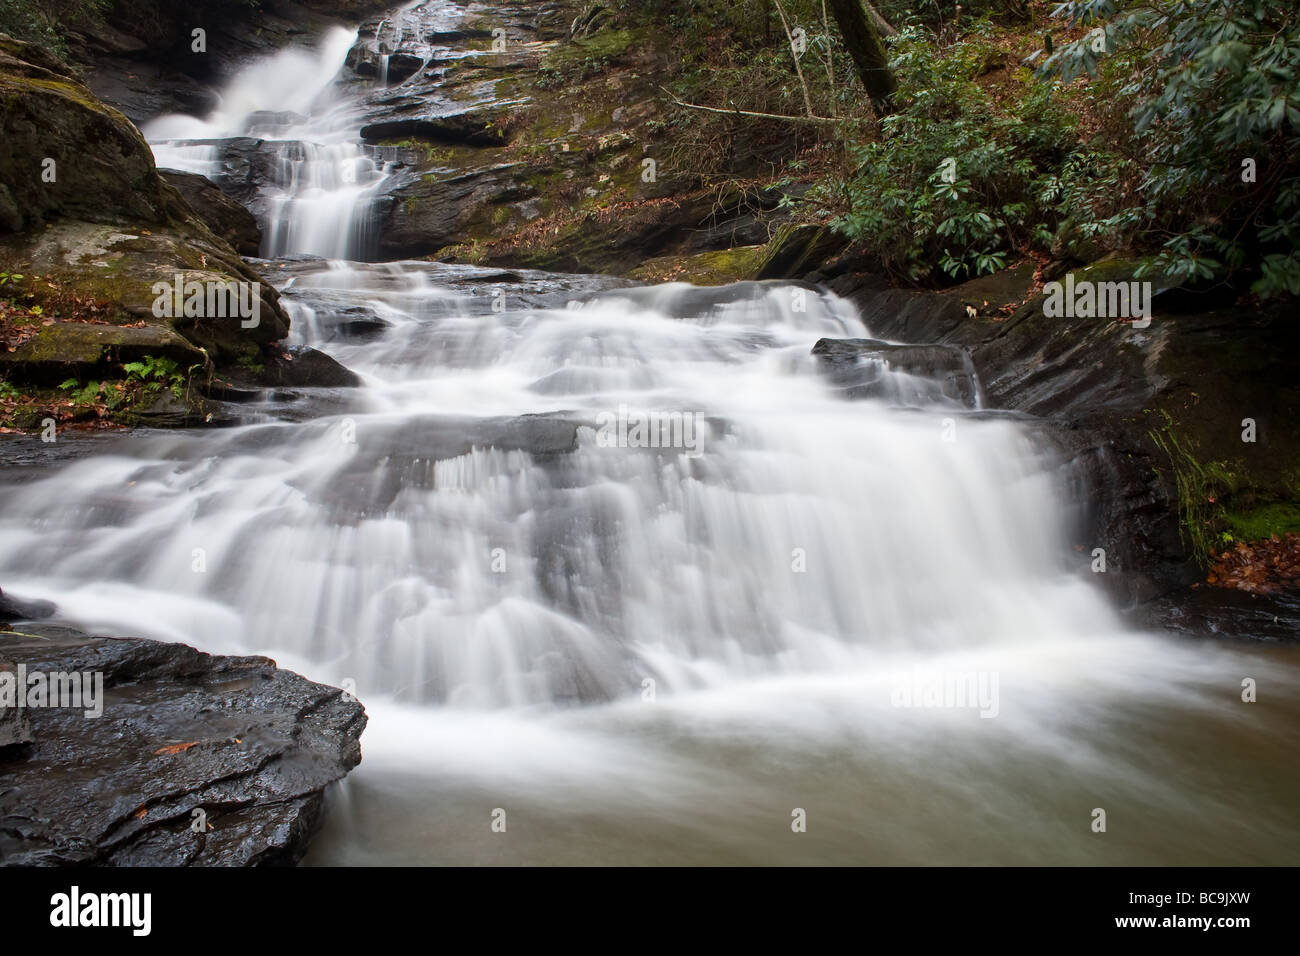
[(1134, 410), (82, 206), (935, 373), (251, 747), (20, 609), (797, 250), (227, 218), (15, 725), (298, 368)]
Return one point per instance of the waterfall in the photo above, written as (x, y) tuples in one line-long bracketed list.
[(626, 564), (869, 609), (321, 182)]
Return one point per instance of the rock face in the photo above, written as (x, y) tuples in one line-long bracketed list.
[(84, 212), (227, 218), (528, 156), (249, 746), (935, 373), (65, 154), (18, 609), (299, 367), (1141, 415), (143, 62)]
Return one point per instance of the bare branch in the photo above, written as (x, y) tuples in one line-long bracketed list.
[(807, 99), (817, 120)]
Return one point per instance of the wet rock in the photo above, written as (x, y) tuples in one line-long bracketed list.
[(368, 62), (227, 218), (474, 129), (18, 609), (797, 250), (1105, 390), (866, 368), (250, 747), (429, 212), (246, 163), (1225, 613), (304, 368), (15, 725)]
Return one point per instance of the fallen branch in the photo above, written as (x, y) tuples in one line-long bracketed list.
[(734, 111), (882, 24)]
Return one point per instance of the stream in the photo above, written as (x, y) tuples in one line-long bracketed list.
[(799, 629)]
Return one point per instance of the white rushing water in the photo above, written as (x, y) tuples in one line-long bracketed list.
[(647, 655), (321, 182), (658, 654)]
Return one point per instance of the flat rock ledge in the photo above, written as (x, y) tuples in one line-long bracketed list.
[(250, 747)]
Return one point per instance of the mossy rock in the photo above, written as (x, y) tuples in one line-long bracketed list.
[(798, 249), (53, 128), (71, 349), (123, 265), (1262, 523), (107, 228), (719, 267)]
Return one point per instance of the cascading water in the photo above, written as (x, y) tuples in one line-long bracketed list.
[(655, 654), (321, 183), (650, 654)]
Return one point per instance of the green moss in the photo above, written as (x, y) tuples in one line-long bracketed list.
[(1200, 488), (717, 267), (577, 60), (1263, 522), (72, 90)]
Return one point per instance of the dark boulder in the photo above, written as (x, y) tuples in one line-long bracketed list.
[(227, 218), (865, 368), (298, 368), (471, 128), (194, 760), (18, 609)]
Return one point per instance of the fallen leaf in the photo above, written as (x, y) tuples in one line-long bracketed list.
[(175, 748)]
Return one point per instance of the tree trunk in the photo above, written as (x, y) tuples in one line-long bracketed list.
[(867, 49)]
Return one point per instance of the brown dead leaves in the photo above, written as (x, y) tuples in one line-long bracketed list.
[(1261, 567)]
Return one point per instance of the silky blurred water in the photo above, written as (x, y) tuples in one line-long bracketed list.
[(662, 655), (574, 648)]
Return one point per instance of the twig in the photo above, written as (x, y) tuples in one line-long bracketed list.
[(818, 120), (830, 63), (794, 55)]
